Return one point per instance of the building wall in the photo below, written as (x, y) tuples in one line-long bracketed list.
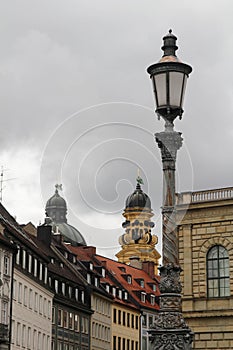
[(31, 314), (5, 294), (207, 222), (125, 328), (101, 330), (70, 329)]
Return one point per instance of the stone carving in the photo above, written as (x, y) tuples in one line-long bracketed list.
[(170, 279), (169, 320), (170, 302), (172, 341)]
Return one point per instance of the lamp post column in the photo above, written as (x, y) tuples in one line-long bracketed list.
[(170, 331)]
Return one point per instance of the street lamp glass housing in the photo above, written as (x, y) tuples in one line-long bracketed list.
[(169, 77)]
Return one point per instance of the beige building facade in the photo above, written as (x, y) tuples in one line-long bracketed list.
[(101, 322), (205, 229), (31, 314)]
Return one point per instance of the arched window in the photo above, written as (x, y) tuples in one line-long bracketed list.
[(218, 283)]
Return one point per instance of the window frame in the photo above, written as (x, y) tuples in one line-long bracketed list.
[(219, 277)]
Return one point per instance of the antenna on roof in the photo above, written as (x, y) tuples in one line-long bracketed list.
[(2, 180)]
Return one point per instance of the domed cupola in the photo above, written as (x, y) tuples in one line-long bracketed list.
[(138, 199), (138, 239), (56, 209)]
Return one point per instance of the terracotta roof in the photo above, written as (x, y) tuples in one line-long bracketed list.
[(116, 275)]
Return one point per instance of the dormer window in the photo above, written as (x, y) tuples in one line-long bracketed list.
[(96, 282), (70, 291), (83, 297), (125, 295), (63, 288), (114, 291), (66, 255), (143, 297), (154, 287), (52, 260), (91, 266), (107, 288), (141, 282), (88, 278), (61, 264), (74, 259), (152, 299), (120, 294), (129, 279), (76, 294), (103, 272), (56, 286)]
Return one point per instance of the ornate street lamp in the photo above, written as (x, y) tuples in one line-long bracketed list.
[(169, 77)]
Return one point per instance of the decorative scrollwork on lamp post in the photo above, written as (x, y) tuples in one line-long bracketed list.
[(169, 77)]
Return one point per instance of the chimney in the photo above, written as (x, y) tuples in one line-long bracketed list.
[(44, 234), (134, 261), (90, 250), (149, 268)]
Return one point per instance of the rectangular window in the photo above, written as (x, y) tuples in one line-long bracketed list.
[(132, 321), (114, 315), (25, 296), (6, 265), (76, 323), (119, 343), (83, 297), (65, 319), (40, 304), (59, 318), (20, 292), (119, 316), (136, 345), (34, 339), (49, 309), (53, 315), (70, 291), (30, 298), (24, 336), (5, 312), (128, 319), (14, 289), (36, 302), (13, 332), (132, 345), (128, 344), (71, 321), (123, 318), (18, 333), (114, 343), (136, 322), (29, 335)]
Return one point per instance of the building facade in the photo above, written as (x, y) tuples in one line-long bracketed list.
[(205, 228), (7, 253)]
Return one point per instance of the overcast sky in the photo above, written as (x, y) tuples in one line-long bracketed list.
[(77, 107)]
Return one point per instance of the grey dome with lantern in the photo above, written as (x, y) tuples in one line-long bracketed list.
[(138, 199), (56, 209)]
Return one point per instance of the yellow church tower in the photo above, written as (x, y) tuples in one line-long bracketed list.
[(137, 242)]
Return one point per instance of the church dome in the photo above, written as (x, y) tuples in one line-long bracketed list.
[(70, 234), (138, 199), (56, 209)]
